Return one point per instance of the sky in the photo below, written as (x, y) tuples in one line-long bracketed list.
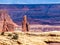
[(29, 1)]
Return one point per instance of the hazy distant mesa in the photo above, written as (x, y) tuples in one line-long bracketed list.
[(37, 14)]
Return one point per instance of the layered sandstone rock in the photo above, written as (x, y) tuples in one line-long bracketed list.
[(25, 24), (23, 39), (6, 23)]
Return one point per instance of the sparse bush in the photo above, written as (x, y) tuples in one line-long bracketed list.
[(9, 34), (52, 35), (2, 33), (15, 36), (19, 42)]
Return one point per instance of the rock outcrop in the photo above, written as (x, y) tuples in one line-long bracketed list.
[(6, 23), (23, 39), (25, 24)]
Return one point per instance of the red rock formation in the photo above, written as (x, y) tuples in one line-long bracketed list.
[(6, 23), (25, 24)]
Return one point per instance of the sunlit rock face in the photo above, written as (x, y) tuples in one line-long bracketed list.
[(6, 23)]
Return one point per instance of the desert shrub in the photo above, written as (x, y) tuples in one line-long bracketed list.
[(52, 35), (19, 42), (9, 34), (15, 36), (2, 33)]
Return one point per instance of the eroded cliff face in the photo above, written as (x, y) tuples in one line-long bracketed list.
[(6, 23)]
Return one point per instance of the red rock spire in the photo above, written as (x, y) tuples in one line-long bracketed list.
[(25, 25)]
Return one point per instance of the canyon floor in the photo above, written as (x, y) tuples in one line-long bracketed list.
[(29, 38)]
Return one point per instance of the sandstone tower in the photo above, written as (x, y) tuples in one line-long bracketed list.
[(25, 24)]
